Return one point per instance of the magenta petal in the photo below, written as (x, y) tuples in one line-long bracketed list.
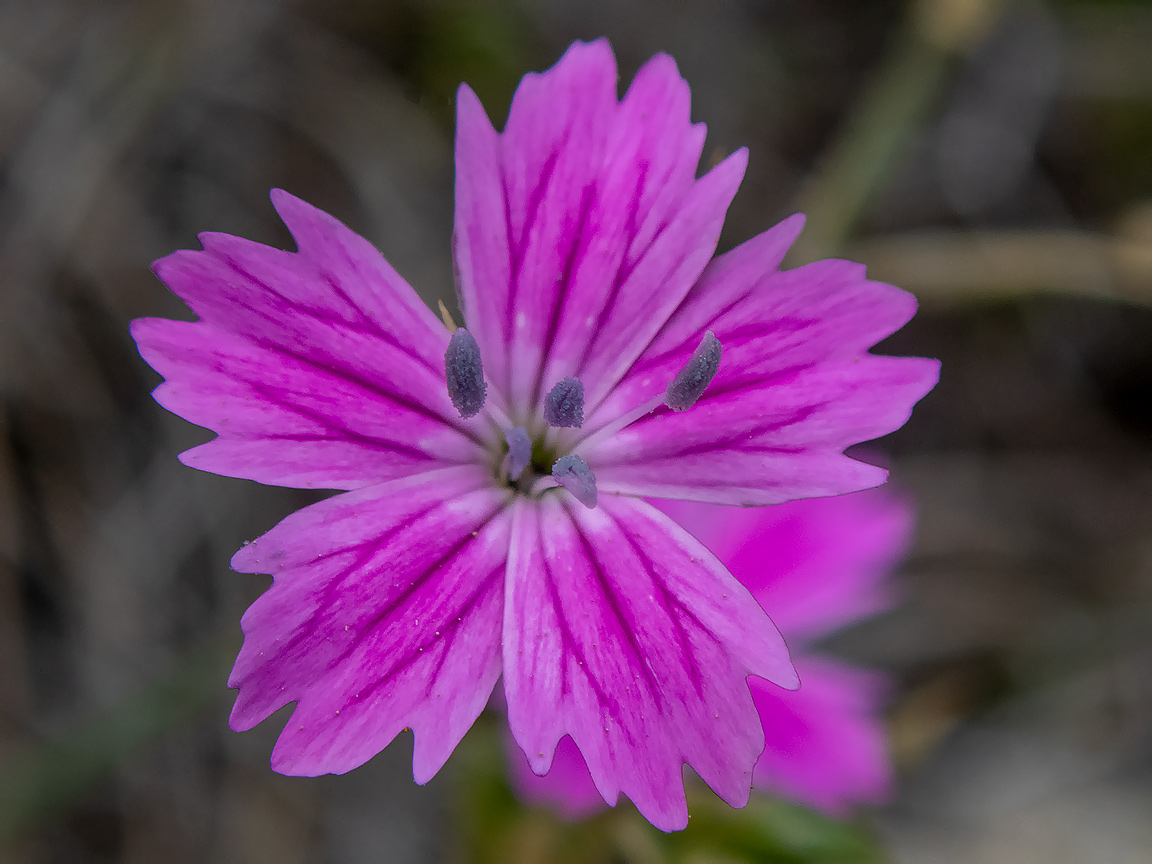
[(767, 319), (795, 387), (817, 564), (725, 284), (826, 747), (826, 742), (316, 368), (384, 614), (543, 169), (755, 440), (325, 301), (623, 322), (480, 244), (625, 633), (290, 420), (567, 788), (566, 220)]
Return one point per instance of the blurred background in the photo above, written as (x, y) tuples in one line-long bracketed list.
[(994, 157)]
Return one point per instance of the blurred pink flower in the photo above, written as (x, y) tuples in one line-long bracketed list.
[(491, 522), (814, 565)]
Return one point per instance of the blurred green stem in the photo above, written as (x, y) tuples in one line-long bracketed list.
[(885, 117)]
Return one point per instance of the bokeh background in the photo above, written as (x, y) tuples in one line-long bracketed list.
[(994, 157)]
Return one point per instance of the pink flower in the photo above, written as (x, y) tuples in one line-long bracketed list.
[(582, 249), (815, 565)]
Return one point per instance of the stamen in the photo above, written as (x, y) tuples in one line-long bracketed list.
[(465, 374), (519, 452), (690, 382), (446, 316), (564, 404), (684, 391), (573, 474)]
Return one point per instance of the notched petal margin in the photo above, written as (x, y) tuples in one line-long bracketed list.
[(318, 368), (623, 632), (828, 747), (384, 614), (797, 385)]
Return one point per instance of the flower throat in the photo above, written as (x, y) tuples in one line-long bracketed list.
[(526, 464)]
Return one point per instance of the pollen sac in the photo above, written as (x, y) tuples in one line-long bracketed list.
[(564, 404), (691, 381), (519, 452), (465, 373), (573, 474)]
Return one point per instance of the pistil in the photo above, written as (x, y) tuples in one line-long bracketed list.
[(519, 453), (682, 393)]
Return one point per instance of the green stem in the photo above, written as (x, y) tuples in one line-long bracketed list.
[(883, 120)]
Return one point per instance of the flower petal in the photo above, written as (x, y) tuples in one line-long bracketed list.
[(825, 747), (796, 385), (816, 564), (768, 440), (316, 368), (323, 300), (625, 633), (295, 421), (541, 170), (567, 788), (826, 743), (600, 204), (384, 614), (726, 282)]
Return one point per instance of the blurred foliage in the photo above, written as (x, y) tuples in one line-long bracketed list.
[(1121, 150), (497, 828), (53, 777), (436, 45)]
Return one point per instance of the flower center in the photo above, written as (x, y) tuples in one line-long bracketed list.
[(526, 464), (525, 461)]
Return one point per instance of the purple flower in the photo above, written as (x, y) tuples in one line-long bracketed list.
[(816, 565), (473, 539)]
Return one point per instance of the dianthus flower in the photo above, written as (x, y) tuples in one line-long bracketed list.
[(490, 521), (816, 566)]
